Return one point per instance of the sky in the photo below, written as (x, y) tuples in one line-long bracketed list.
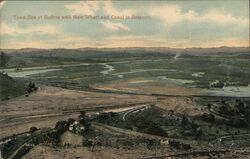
[(178, 24)]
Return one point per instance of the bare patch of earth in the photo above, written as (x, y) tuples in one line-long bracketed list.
[(41, 152), (181, 105), (147, 87), (48, 105)]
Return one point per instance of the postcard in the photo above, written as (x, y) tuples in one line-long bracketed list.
[(124, 79)]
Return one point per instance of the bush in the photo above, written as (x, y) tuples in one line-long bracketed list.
[(238, 123), (31, 87), (61, 127), (208, 117), (155, 129), (33, 129)]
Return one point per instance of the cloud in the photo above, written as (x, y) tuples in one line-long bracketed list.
[(74, 42), (2, 4), (111, 10), (223, 18), (152, 41), (172, 14), (88, 7), (235, 42), (32, 30), (114, 26), (60, 41), (92, 7), (133, 41)]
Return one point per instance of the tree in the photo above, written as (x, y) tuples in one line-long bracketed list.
[(184, 120), (3, 59), (33, 129), (31, 87)]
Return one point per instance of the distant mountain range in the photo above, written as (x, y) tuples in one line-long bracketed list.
[(139, 49)]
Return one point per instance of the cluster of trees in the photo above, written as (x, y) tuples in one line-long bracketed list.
[(190, 128), (208, 117), (145, 122), (237, 113), (10, 87), (83, 119), (238, 109), (3, 59), (31, 87), (217, 84)]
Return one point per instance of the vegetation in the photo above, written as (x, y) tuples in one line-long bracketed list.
[(221, 121), (10, 87), (3, 59), (31, 87), (200, 69)]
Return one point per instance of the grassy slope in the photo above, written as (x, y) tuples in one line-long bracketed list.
[(10, 87)]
